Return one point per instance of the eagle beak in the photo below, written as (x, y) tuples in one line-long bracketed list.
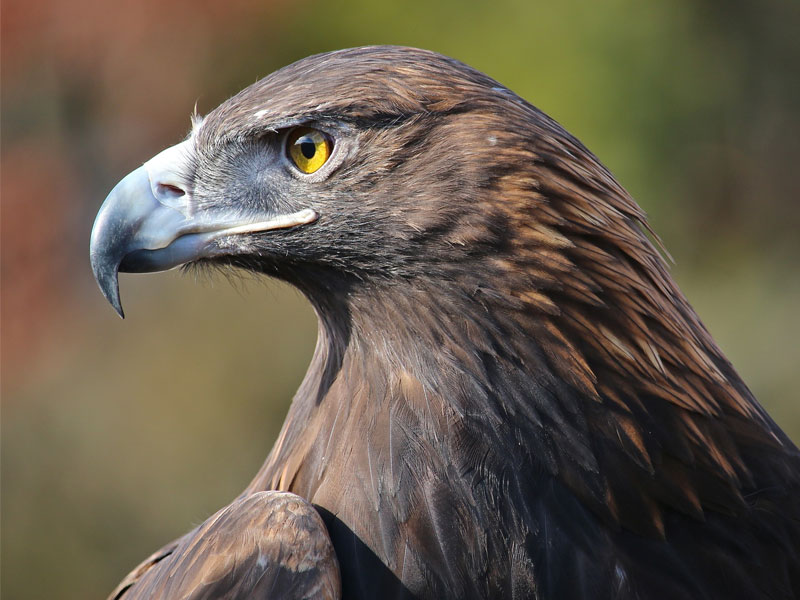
[(149, 223)]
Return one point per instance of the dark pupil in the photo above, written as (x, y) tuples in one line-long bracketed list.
[(307, 147)]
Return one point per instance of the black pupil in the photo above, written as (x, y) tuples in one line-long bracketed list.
[(307, 147)]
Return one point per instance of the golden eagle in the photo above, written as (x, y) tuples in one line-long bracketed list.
[(509, 397)]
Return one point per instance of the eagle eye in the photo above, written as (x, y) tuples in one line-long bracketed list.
[(308, 148)]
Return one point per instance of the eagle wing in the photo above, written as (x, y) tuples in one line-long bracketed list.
[(263, 545)]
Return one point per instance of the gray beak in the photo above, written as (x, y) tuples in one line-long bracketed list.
[(149, 223)]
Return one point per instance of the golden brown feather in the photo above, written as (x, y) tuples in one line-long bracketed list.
[(266, 544)]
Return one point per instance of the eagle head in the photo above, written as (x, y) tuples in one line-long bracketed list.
[(369, 166)]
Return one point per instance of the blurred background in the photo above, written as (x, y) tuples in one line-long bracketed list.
[(119, 436)]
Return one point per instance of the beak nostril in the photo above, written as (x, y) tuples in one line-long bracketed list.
[(167, 190)]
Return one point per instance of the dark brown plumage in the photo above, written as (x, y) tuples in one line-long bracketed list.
[(510, 397)]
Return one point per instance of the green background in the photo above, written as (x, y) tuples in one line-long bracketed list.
[(118, 436)]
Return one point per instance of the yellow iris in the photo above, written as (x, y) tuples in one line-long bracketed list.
[(308, 148)]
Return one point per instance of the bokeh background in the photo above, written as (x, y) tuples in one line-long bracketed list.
[(119, 436)]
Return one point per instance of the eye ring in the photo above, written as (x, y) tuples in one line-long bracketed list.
[(308, 149)]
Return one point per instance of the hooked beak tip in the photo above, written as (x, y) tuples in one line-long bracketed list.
[(105, 273)]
